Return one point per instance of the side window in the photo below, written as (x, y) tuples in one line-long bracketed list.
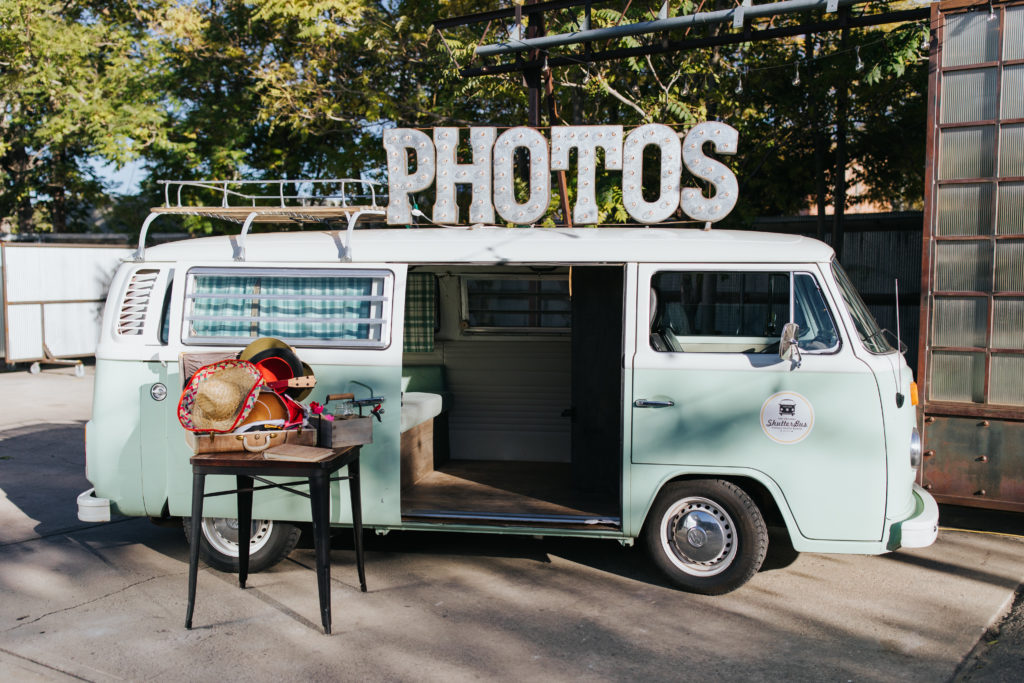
[(817, 326), (736, 312), (516, 304), (313, 308), (165, 315)]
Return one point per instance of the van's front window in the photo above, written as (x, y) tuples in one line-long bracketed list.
[(303, 307), (871, 335)]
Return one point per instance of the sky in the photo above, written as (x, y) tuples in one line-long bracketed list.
[(123, 181)]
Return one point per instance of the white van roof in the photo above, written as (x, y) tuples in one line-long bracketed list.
[(487, 245)]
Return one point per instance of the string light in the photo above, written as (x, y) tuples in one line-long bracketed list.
[(739, 84), (860, 64), (991, 11), (796, 76)]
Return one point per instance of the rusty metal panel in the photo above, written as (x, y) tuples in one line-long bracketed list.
[(977, 462)]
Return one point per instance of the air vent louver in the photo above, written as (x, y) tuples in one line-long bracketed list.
[(132, 317)]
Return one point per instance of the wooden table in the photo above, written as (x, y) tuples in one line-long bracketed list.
[(248, 467)]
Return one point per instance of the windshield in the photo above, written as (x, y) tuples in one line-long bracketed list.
[(870, 333)]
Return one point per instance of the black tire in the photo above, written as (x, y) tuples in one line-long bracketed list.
[(270, 543), (725, 542)]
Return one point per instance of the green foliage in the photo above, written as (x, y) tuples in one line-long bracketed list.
[(233, 89), (76, 82)]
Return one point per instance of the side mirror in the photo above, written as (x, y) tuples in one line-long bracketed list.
[(789, 346)]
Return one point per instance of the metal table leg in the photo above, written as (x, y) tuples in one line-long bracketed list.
[(244, 486), (357, 519), (319, 500), (198, 491)]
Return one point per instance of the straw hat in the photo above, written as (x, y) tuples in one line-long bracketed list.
[(219, 396)]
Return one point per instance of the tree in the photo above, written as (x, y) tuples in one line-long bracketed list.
[(76, 84)]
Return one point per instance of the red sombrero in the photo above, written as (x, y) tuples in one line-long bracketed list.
[(277, 361)]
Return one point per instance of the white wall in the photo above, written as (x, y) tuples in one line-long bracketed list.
[(53, 295)]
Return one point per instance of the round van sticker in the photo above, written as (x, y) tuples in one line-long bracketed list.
[(787, 417)]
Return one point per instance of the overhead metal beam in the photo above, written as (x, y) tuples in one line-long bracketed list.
[(901, 16), (659, 25)]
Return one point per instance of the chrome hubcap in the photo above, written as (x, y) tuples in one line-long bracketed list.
[(699, 536), (222, 534)]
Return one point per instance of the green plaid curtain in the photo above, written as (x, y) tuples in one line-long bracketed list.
[(419, 313), (218, 315), (316, 308), (315, 316)]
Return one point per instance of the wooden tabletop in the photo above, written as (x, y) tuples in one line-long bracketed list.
[(256, 461)]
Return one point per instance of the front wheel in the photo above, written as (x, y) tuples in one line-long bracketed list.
[(707, 536), (269, 542)]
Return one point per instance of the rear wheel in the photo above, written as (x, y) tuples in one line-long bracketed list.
[(269, 542), (706, 535)]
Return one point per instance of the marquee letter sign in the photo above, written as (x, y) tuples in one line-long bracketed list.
[(491, 172)]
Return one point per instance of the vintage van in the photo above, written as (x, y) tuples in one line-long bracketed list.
[(633, 383)]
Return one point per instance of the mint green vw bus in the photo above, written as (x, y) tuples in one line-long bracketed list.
[(685, 388)]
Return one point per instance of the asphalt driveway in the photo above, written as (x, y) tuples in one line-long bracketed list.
[(107, 601)]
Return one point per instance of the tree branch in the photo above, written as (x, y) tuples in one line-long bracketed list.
[(621, 98)]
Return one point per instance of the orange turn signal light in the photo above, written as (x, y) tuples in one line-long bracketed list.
[(913, 393)]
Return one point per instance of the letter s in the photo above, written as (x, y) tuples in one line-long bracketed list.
[(724, 139)]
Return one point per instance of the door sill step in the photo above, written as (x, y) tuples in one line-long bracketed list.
[(512, 519)]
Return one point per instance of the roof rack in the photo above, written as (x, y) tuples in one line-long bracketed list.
[(303, 201)]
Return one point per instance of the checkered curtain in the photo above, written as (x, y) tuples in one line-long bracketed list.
[(327, 308), (316, 315), (220, 316), (419, 313)]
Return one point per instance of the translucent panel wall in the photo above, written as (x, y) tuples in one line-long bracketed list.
[(963, 266), (1013, 29), (960, 321), (1008, 323), (1010, 267), (967, 152), (1007, 383), (1011, 209), (1013, 90), (969, 95), (957, 376), (965, 209), (970, 39), (978, 201), (1011, 151)]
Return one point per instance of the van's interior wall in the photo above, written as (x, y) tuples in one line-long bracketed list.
[(510, 394)]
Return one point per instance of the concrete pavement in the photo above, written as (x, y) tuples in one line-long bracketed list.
[(107, 602)]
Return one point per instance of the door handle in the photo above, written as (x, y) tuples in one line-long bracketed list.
[(644, 403)]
